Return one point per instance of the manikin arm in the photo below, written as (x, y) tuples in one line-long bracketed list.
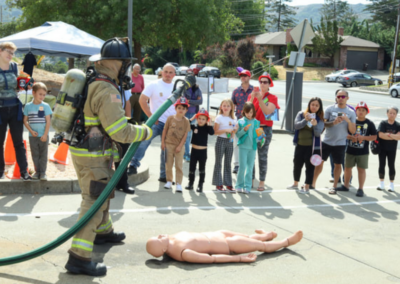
[(195, 257)]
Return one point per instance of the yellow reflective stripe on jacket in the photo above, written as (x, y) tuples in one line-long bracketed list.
[(140, 130), (81, 152), (90, 121), (104, 227), (116, 126), (82, 244)]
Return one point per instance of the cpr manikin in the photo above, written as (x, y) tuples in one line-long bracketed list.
[(217, 247)]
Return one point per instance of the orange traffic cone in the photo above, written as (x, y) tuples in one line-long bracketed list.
[(9, 153), (17, 172), (61, 155)]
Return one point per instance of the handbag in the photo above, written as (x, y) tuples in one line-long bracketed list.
[(375, 147), (316, 159)]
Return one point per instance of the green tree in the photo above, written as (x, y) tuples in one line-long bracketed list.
[(7, 29), (168, 24), (252, 15), (283, 14), (326, 40), (334, 9), (383, 11)]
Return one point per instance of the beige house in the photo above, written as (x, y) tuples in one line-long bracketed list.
[(353, 54)]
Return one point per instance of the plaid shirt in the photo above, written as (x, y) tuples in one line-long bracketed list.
[(239, 97)]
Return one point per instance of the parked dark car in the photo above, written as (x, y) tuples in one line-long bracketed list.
[(358, 79), (195, 68), (210, 71)]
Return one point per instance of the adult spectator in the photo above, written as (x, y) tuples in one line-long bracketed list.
[(195, 98), (309, 125), (136, 92), (123, 184), (11, 109), (389, 134), (239, 97), (266, 105), (157, 92), (339, 121)]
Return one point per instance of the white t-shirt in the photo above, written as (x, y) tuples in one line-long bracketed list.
[(225, 122), (159, 92)]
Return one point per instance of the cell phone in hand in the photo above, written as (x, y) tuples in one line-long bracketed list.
[(256, 89), (312, 115), (340, 114)]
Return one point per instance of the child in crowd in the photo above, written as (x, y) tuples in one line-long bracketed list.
[(37, 121), (199, 147), (173, 139), (225, 127), (309, 126), (247, 144), (389, 134), (358, 149)]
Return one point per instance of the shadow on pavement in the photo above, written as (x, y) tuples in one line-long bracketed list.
[(21, 279), (20, 203)]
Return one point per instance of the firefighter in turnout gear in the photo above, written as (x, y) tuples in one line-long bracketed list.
[(105, 122)]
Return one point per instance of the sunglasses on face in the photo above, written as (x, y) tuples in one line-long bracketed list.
[(264, 82), (243, 76), (341, 97), (10, 52)]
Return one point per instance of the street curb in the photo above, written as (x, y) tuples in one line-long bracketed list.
[(370, 92), (282, 131), (60, 185)]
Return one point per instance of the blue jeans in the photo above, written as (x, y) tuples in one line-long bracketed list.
[(157, 131), (189, 136)]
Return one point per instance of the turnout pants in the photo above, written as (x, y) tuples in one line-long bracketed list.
[(93, 175), (199, 156)]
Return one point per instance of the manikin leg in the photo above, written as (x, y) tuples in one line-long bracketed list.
[(261, 235), (240, 244)]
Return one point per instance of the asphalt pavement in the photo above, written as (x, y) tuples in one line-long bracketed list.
[(346, 239)]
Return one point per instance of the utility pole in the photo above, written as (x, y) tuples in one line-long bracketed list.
[(395, 47)]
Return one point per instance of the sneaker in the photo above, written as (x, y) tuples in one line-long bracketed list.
[(302, 191), (43, 177), (187, 158), (331, 180), (220, 188), (235, 169), (380, 188), (178, 188), (132, 170), (239, 190), (2, 176), (391, 188), (164, 180), (360, 193), (36, 176), (26, 177), (168, 185), (292, 187), (230, 189), (342, 188), (246, 191)]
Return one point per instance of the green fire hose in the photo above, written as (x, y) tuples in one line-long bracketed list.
[(107, 191)]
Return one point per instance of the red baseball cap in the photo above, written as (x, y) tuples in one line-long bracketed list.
[(203, 112), (266, 75), (362, 104), (245, 72), (182, 101)]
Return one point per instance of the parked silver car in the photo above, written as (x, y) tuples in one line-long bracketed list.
[(333, 77), (394, 90), (182, 70), (358, 79), (210, 71)]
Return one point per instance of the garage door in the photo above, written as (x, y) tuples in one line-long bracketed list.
[(356, 59)]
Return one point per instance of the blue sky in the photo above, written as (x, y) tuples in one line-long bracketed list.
[(306, 2)]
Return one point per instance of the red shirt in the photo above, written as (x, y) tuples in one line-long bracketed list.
[(260, 116), (139, 84)]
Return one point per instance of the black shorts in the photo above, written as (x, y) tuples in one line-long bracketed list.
[(336, 151)]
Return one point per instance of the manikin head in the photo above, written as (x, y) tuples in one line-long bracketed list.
[(157, 246)]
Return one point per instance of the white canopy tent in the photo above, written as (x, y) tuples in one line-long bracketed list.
[(56, 39)]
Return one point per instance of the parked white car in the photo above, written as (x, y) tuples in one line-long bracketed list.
[(182, 70), (334, 76), (394, 90)]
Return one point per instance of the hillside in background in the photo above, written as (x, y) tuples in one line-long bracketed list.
[(312, 12), (7, 14)]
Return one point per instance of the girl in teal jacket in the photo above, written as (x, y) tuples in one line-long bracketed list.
[(247, 147)]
